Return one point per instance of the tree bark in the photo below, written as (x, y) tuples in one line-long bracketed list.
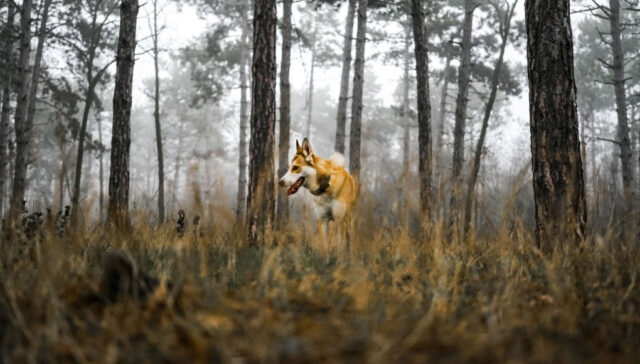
[(22, 106), (558, 183), (35, 76), (358, 85), (285, 111), (156, 115), (101, 172), (121, 132), (341, 118), (178, 162), (311, 79), (595, 174), (406, 120), (6, 98), (441, 121), (505, 29), (424, 107), (621, 105), (92, 83), (464, 78), (241, 199), (261, 197)]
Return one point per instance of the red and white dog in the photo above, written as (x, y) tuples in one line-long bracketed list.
[(333, 190)]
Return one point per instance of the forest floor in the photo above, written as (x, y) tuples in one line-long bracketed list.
[(208, 296)]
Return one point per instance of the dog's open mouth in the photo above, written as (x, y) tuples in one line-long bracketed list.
[(294, 188)]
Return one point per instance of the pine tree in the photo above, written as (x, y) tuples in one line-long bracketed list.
[(555, 145)]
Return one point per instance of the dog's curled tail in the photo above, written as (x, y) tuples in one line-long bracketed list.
[(337, 159)]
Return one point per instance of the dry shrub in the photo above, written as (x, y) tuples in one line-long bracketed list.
[(392, 297)]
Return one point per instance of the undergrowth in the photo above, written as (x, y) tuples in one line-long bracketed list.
[(206, 295)]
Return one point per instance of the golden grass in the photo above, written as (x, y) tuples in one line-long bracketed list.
[(391, 298)]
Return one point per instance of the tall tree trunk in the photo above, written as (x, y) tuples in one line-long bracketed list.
[(285, 111), (311, 79), (441, 121), (92, 83), (22, 106), (101, 173), (261, 197), (505, 30), (406, 120), (35, 76), (424, 107), (341, 119), (62, 172), (6, 98), (594, 174), (241, 199), (358, 85), (555, 145), (464, 78), (75, 197), (156, 114), (121, 132), (621, 105)]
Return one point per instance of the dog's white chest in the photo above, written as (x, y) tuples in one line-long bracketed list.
[(328, 209)]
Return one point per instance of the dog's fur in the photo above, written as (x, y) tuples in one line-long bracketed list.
[(333, 190)]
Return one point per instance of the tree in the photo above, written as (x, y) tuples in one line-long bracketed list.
[(555, 145), (464, 79), (618, 26), (155, 34), (244, 108), (504, 14), (424, 105), (313, 32), (86, 43), (211, 69), (358, 83), (341, 118), (7, 79), (285, 110), (37, 64), (406, 85), (121, 132), (22, 105), (261, 196)]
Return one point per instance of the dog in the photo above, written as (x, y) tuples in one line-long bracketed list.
[(333, 190)]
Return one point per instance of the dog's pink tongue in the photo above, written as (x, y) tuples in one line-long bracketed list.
[(294, 188)]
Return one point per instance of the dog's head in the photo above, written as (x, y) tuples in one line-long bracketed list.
[(301, 170)]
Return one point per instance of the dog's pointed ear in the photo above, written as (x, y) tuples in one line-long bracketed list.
[(298, 147), (306, 149)]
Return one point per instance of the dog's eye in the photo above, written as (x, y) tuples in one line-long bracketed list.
[(294, 168)]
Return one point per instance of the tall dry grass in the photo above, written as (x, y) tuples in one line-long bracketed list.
[(393, 296)]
